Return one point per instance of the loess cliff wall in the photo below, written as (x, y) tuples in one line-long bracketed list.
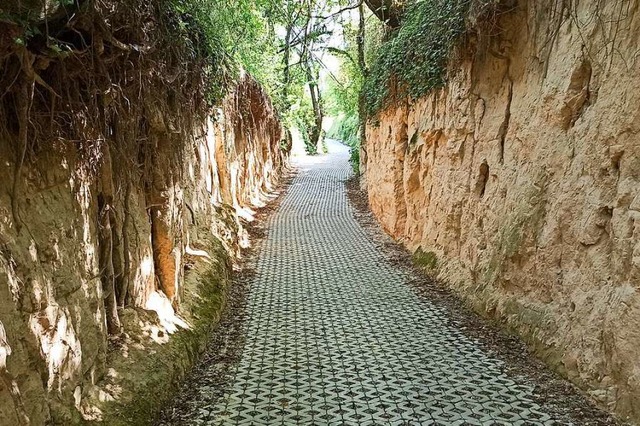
[(122, 203), (518, 185)]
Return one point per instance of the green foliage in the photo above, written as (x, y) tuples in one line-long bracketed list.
[(279, 42), (354, 159), (347, 129), (193, 30), (229, 34), (301, 117), (342, 95), (414, 60), (325, 147), (343, 92), (246, 30)]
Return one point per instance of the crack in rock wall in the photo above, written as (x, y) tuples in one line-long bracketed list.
[(521, 182)]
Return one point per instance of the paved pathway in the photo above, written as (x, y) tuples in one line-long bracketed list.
[(335, 336)]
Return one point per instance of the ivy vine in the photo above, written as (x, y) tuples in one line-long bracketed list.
[(413, 60)]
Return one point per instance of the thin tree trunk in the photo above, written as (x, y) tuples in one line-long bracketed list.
[(362, 65), (360, 40), (316, 101), (286, 71)]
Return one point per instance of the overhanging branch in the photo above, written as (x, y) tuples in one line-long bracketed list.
[(386, 10)]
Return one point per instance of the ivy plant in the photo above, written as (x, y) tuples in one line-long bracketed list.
[(413, 59)]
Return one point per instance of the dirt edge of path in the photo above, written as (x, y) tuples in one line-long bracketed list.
[(225, 344), (563, 400)]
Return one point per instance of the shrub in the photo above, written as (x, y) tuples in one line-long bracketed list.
[(346, 129)]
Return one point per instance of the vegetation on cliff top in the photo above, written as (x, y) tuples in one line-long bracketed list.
[(206, 42), (406, 58), (414, 58)]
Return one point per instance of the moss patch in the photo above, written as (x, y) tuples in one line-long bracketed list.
[(149, 372), (521, 226), (427, 260)]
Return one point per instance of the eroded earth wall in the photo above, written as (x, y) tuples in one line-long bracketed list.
[(93, 250), (519, 183)]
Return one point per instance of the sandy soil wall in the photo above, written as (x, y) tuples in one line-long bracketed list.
[(73, 222), (520, 184)]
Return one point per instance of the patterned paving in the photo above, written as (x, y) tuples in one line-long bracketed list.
[(336, 337)]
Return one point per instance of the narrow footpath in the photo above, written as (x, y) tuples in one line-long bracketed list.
[(336, 336)]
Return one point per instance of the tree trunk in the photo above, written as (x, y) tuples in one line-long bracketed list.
[(360, 40), (316, 101), (286, 71), (362, 111)]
